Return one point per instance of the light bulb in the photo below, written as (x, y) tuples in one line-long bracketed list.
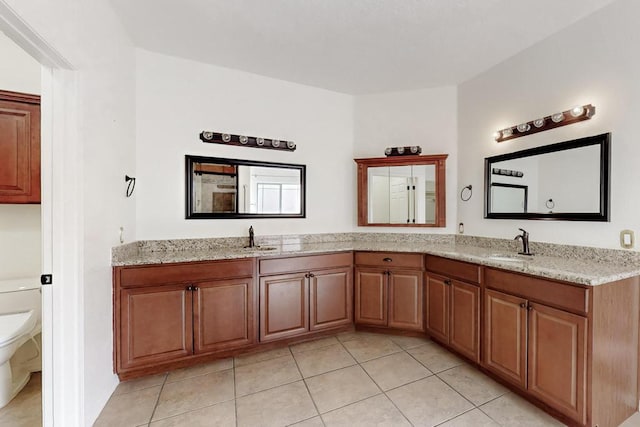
[(507, 132), (387, 151), (497, 134), (260, 141), (400, 150), (226, 137), (523, 127), (275, 143), (577, 111), (557, 117), (538, 123), (207, 135), (414, 149), (243, 139), (291, 145)]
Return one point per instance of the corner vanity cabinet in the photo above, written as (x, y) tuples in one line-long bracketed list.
[(165, 314), (453, 305), (305, 294), (571, 347), (389, 290)]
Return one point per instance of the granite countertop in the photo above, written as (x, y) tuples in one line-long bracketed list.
[(574, 270)]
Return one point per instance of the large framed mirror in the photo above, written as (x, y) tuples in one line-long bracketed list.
[(564, 181), (231, 188), (402, 191)]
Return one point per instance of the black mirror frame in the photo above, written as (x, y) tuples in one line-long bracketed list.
[(189, 162), (604, 140)]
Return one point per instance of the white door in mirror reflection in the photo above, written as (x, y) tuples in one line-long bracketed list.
[(402, 194), (508, 198)]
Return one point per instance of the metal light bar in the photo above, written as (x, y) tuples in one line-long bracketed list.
[(246, 141), (574, 115)]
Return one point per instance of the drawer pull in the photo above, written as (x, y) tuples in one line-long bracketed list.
[(447, 282), (523, 305), (387, 260)]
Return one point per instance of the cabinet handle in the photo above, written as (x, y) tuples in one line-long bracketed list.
[(447, 282), (523, 305), (312, 275), (306, 275), (530, 308), (388, 259)]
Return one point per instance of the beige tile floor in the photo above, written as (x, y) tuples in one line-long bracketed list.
[(25, 410), (351, 379)]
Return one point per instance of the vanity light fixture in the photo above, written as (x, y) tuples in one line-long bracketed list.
[(403, 151), (575, 114), (246, 141)]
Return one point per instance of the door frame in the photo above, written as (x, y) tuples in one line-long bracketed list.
[(61, 166)]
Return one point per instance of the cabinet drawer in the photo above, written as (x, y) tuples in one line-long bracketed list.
[(555, 294), (390, 259), (305, 263), (451, 268), (148, 275)]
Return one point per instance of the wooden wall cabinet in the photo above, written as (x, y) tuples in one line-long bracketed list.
[(19, 148), (315, 294), (389, 290), (170, 313), (453, 306)]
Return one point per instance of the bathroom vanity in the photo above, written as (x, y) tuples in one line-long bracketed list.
[(563, 333)]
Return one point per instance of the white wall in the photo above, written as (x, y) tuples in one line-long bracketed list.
[(20, 240), (101, 106), (593, 61), (177, 99), (424, 117)]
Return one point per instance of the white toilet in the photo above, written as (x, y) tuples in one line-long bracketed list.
[(20, 327)]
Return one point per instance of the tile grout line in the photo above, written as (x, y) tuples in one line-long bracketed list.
[(306, 386), (235, 391), (158, 398), (454, 389), (384, 393)]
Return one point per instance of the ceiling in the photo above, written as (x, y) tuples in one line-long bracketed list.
[(350, 46)]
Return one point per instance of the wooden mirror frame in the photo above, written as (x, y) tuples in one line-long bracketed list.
[(438, 160)]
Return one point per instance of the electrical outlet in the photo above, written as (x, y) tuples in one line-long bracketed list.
[(627, 239)]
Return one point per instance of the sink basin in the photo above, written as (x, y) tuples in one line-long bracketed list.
[(505, 257)]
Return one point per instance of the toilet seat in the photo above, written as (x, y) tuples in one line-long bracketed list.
[(15, 326)]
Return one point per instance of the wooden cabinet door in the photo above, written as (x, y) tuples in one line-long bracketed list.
[(438, 307), (331, 300), (557, 359), (284, 306), (19, 148), (156, 325), (505, 345), (371, 296), (405, 300), (464, 328), (223, 315)]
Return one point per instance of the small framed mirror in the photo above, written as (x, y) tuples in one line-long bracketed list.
[(231, 188), (402, 191), (564, 181)]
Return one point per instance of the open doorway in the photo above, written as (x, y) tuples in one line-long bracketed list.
[(20, 237)]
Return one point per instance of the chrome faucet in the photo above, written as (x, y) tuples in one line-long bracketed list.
[(252, 243), (525, 242)]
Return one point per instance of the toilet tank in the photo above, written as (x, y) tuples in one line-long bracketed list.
[(18, 295)]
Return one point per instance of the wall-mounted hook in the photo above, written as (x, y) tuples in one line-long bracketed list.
[(131, 184), (463, 195)]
